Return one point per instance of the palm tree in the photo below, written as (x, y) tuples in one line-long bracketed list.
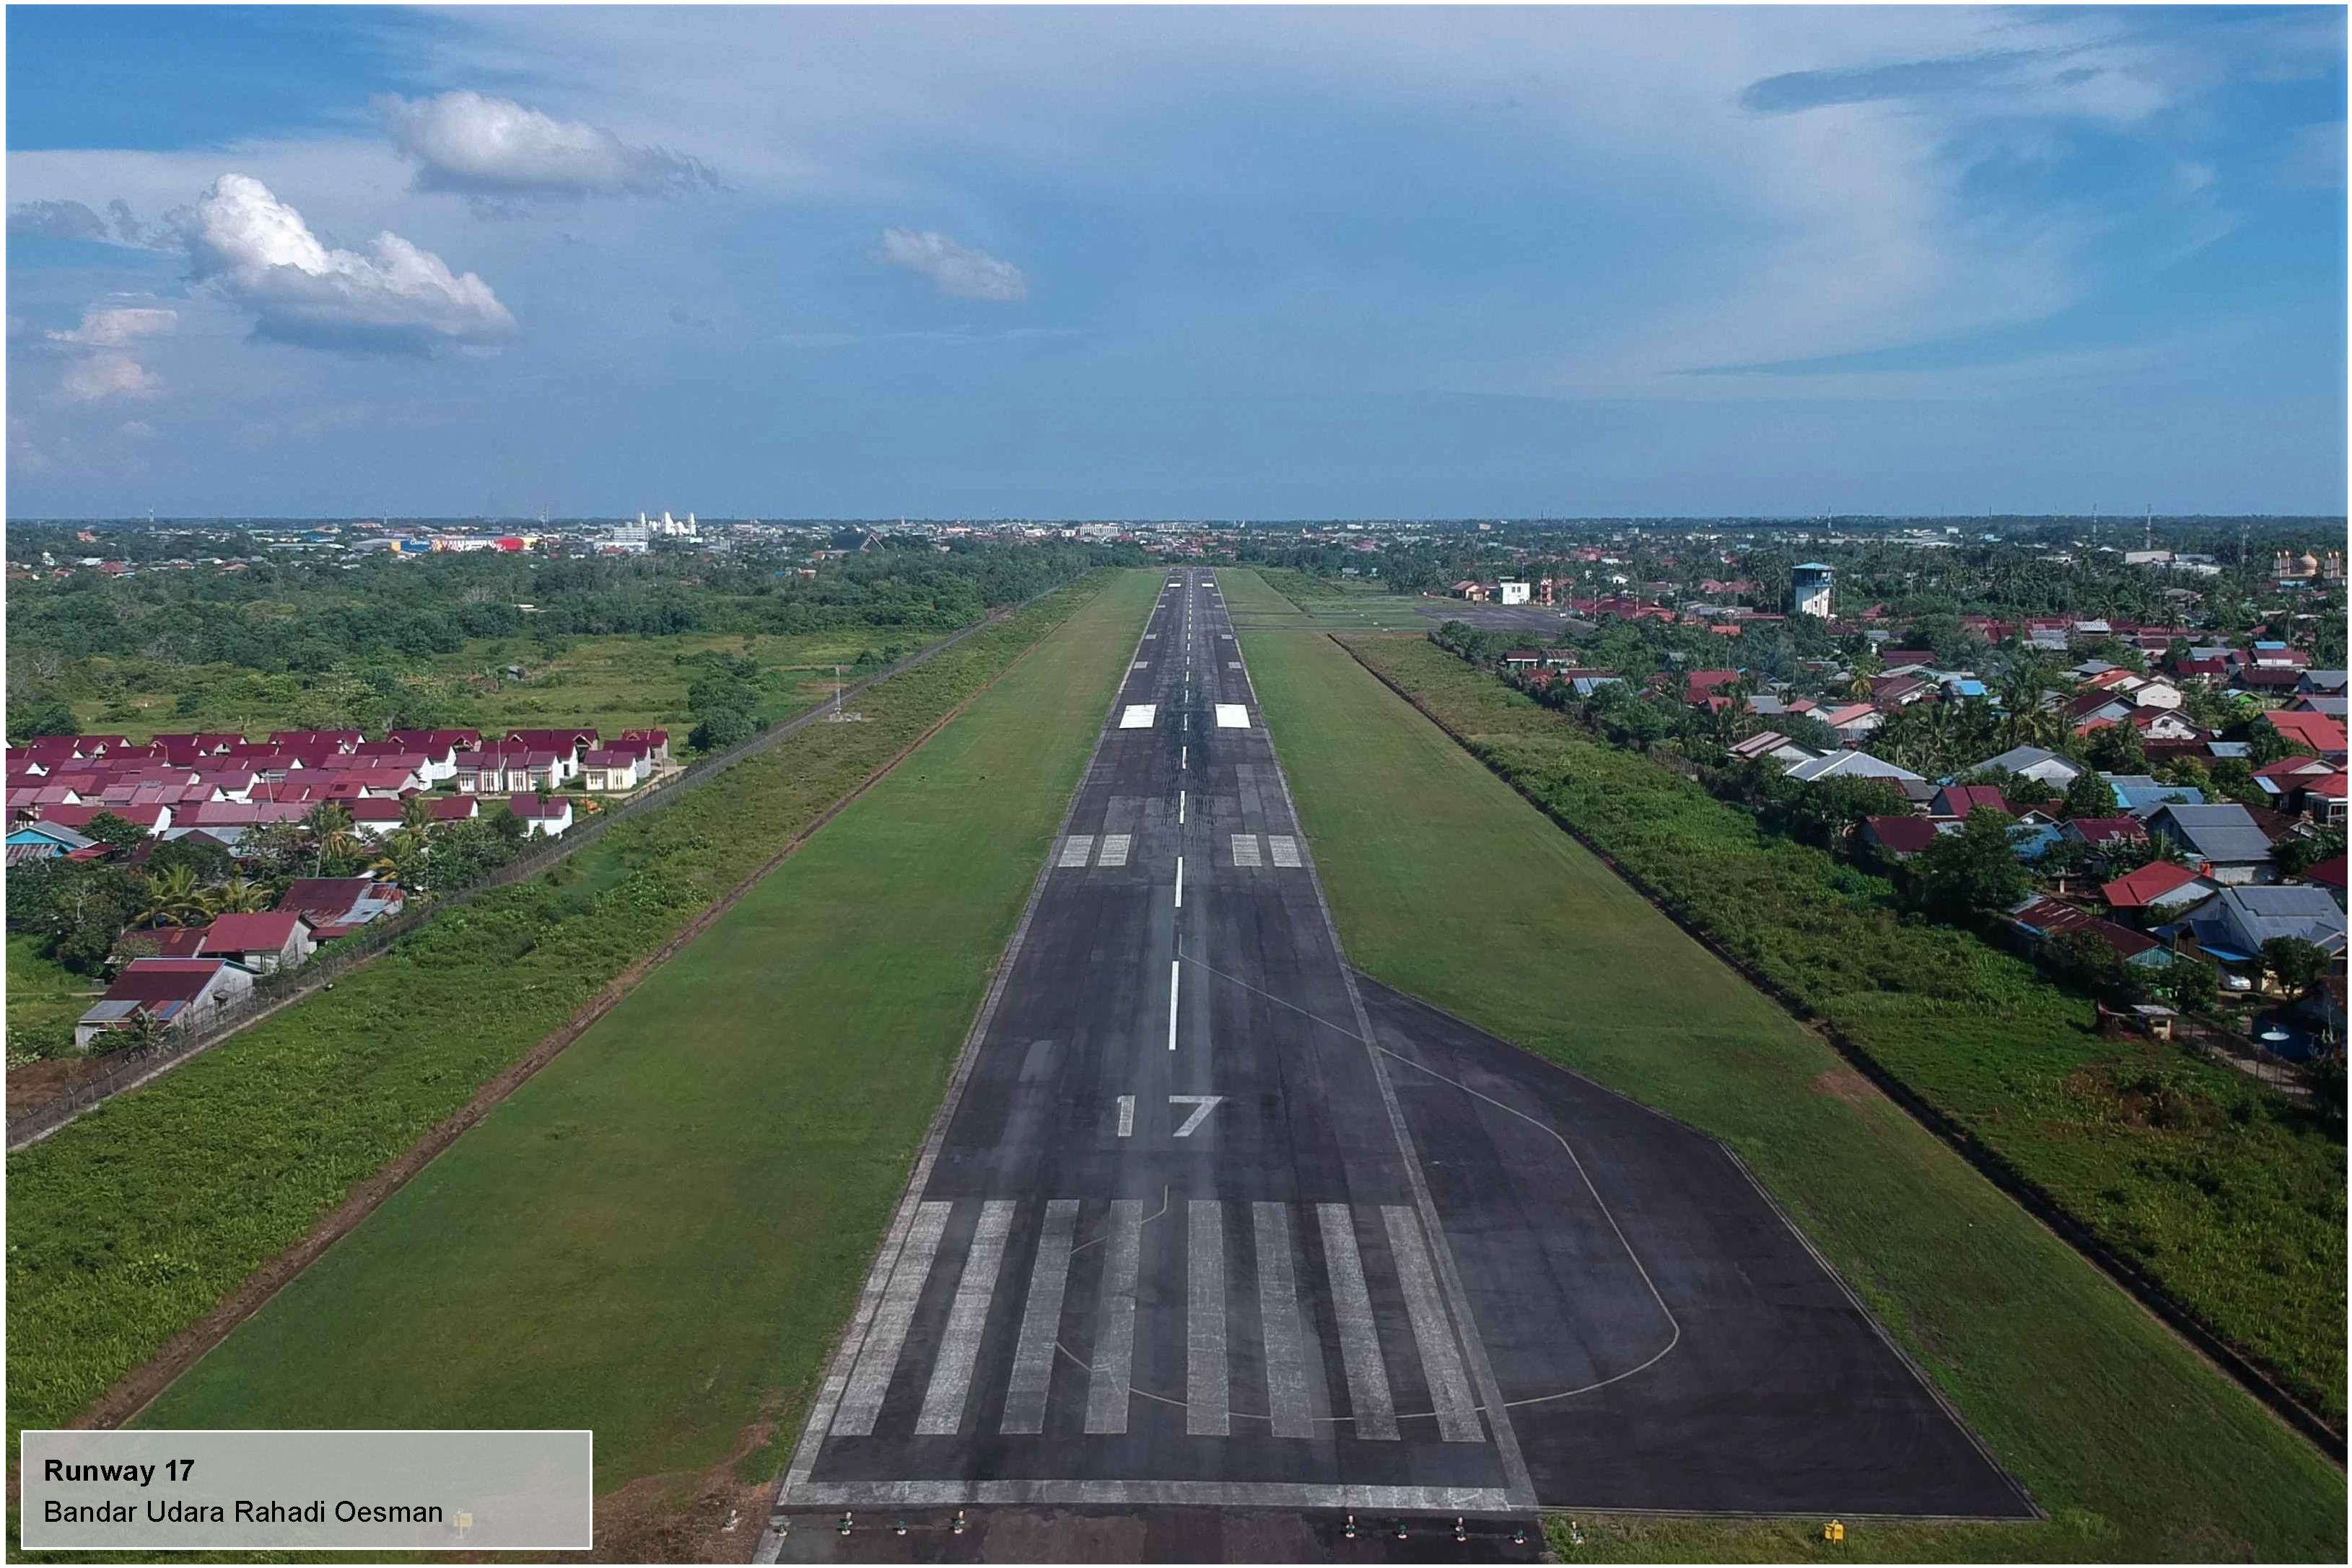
[(403, 856), (237, 897), (171, 896), (331, 833), (416, 814)]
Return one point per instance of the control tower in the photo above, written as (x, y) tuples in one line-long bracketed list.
[(1813, 583)]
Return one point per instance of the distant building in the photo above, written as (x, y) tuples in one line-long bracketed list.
[(1515, 592), (1813, 583)]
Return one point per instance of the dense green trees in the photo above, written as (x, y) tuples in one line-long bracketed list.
[(312, 614), (1972, 872)]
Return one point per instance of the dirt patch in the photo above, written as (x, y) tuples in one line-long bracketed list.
[(36, 1083), (690, 1516), (1844, 1084)]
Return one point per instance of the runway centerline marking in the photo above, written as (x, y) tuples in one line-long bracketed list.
[(1180, 882), (1175, 972)]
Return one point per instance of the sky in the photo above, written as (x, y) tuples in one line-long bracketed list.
[(1254, 263)]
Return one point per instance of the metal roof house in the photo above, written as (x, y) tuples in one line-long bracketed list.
[(2228, 845), (2233, 924)]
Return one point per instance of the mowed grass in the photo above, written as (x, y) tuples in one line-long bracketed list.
[(1349, 604), (1446, 885), (660, 1236)]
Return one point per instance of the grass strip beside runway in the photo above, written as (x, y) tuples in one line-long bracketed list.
[(496, 1311), (660, 1236), (1447, 885)]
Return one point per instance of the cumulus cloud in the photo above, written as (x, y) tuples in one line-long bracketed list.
[(100, 364), (107, 375), (112, 327), (954, 270), (260, 254), (77, 220), (494, 147)]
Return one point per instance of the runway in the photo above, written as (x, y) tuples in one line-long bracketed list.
[(1207, 1220)]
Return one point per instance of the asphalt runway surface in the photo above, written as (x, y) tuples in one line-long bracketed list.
[(1207, 1220)]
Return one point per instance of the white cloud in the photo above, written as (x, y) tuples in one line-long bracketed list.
[(107, 375), (260, 254), (495, 147), (112, 327), (956, 270), (59, 218)]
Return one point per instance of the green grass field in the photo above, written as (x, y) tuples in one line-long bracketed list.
[(44, 998), (136, 1220), (614, 683), (660, 1234), (1446, 885), (1348, 605)]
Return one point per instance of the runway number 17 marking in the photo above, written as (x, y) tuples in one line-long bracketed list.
[(1201, 1105)]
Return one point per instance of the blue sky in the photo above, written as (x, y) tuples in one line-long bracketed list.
[(1175, 262)]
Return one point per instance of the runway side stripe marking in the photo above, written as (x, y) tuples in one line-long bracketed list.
[(1433, 1332), (1208, 1401), (1078, 848), (1114, 1368), (879, 1358), (1040, 1322), (944, 1401), (1114, 849), (1277, 1305), (1369, 1400)]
